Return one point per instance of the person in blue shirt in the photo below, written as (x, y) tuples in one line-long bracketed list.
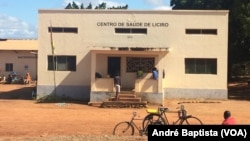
[(155, 73)]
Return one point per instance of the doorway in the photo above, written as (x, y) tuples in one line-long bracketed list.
[(114, 65)]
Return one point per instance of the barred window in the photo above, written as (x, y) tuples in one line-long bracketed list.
[(135, 63), (62, 63)]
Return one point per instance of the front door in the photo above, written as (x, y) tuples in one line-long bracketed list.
[(114, 65)]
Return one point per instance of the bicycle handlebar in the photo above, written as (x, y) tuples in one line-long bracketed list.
[(162, 109)]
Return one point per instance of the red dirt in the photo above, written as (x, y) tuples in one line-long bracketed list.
[(22, 117)]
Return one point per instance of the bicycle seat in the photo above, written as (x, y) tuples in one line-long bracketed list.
[(152, 111), (157, 111)]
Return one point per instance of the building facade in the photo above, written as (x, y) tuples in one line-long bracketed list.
[(19, 56), (188, 47)]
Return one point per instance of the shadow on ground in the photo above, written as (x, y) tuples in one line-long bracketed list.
[(24, 93), (239, 90)]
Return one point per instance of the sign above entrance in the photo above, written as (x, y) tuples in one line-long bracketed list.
[(133, 24)]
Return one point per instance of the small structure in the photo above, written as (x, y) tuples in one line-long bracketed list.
[(18, 55)]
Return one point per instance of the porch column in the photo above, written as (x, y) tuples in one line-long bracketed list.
[(92, 70), (160, 71)]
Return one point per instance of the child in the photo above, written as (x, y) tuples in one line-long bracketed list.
[(228, 120)]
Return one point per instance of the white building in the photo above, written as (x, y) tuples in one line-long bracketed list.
[(188, 47)]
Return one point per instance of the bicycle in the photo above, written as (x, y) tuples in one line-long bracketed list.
[(159, 117), (126, 128)]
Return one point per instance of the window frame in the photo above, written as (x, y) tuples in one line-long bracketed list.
[(62, 63), (131, 30), (9, 67), (201, 66), (146, 64), (201, 31), (63, 29)]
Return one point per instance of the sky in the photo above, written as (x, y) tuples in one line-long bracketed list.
[(19, 18)]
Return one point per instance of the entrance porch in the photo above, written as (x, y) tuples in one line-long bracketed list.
[(145, 88)]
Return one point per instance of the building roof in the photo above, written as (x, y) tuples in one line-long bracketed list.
[(18, 44)]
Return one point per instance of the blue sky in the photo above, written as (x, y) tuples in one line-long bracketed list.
[(19, 18)]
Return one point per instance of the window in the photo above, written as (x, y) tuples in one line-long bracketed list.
[(62, 63), (63, 29), (134, 63), (8, 67), (200, 66), (201, 31), (131, 30)]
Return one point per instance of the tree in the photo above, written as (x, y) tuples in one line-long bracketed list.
[(119, 7), (239, 27), (89, 6), (74, 5), (69, 6), (103, 5), (82, 6)]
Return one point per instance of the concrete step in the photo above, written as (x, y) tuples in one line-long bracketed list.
[(95, 104), (127, 95), (127, 92), (124, 104), (125, 99), (129, 99)]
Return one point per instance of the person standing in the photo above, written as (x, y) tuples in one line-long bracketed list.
[(155, 73), (9, 79), (228, 120), (117, 83), (27, 79)]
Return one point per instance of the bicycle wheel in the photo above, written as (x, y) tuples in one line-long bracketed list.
[(190, 120), (123, 129), (152, 119)]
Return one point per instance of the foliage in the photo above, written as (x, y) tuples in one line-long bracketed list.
[(89, 6), (103, 5), (241, 69), (119, 7), (239, 27), (72, 5)]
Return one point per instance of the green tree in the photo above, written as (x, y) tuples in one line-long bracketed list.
[(103, 5), (239, 25), (119, 7), (82, 6), (69, 6), (74, 5), (89, 6)]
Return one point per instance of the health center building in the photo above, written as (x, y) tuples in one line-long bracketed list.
[(189, 48)]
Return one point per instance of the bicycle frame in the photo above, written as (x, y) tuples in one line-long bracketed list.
[(161, 111), (132, 123)]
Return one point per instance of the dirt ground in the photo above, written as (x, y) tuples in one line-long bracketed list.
[(21, 118)]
